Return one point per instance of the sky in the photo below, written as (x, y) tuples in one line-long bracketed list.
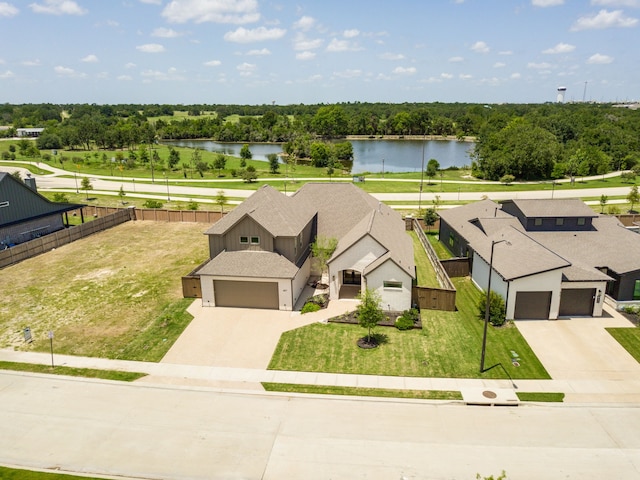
[(318, 51)]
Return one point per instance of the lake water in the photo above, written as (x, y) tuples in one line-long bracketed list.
[(368, 155)]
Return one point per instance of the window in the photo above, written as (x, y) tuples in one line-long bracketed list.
[(636, 290), (537, 222), (255, 240), (559, 221), (581, 221), (390, 284), (452, 239), (244, 239)]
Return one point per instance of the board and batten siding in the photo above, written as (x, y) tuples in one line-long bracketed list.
[(248, 228)]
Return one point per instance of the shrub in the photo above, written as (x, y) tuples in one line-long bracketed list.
[(407, 320), (497, 309), (193, 206), (152, 204), (310, 307)]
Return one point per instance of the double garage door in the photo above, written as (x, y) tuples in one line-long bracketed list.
[(536, 305), (231, 293)]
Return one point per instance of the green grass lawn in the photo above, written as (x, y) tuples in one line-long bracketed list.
[(629, 338), (7, 473), (71, 371), (438, 246), (447, 346), (363, 392), (540, 396), (426, 273)]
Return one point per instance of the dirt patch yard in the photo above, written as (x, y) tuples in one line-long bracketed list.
[(116, 294)]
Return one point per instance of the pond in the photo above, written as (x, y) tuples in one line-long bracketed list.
[(368, 155)]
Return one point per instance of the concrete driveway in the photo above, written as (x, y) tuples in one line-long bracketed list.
[(240, 337), (581, 348)]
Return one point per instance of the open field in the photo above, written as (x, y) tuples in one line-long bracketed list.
[(116, 294)]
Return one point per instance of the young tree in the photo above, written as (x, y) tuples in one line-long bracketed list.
[(174, 158), (430, 217), (603, 202), (432, 169), (245, 153), (86, 186), (369, 311), (121, 194), (633, 197), (60, 198), (219, 162), (322, 249), (274, 164), (497, 308), (221, 200), (507, 179)]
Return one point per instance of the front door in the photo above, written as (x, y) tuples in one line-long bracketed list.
[(351, 277)]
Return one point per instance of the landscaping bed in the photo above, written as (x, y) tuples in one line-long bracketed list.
[(388, 321)]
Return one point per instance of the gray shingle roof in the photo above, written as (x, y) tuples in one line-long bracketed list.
[(569, 207), (274, 211), (249, 263)]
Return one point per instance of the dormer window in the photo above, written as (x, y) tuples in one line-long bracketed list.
[(255, 240), (581, 221), (244, 240), (537, 222), (559, 221)]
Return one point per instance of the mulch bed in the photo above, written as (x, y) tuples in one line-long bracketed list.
[(389, 319)]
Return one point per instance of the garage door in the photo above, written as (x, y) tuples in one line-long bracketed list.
[(577, 302), (532, 305), (229, 293)]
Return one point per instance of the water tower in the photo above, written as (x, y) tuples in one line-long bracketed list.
[(560, 97)]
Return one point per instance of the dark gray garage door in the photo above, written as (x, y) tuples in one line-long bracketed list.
[(532, 305), (577, 302), (231, 293)]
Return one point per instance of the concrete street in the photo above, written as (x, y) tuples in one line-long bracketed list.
[(148, 431)]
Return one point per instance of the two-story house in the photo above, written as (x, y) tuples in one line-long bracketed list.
[(260, 255), (552, 258)]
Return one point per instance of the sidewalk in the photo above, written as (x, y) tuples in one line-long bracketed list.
[(577, 391)]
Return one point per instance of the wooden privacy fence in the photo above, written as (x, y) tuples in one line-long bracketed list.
[(46, 243), (443, 298), (456, 267), (158, 214)]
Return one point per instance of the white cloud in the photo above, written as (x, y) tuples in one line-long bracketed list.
[(480, 47), (150, 48), (617, 3), (560, 48), (303, 43), (515, 76), (447, 76), (599, 59), (604, 19), (90, 59), (243, 35), (7, 74), (246, 69), (31, 63), (351, 33), (58, 7), (539, 66), (212, 63), (165, 33), (547, 3), (304, 23), (349, 73), (217, 11), (456, 60), (152, 2), (306, 55), (404, 71), (261, 52), (130, 65), (505, 52), (391, 56), (341, 46), (499, 65), (67, 72), (7, 10), (465, 76), (171, 74)]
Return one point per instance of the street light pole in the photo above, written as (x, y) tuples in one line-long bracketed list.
[(167, 179), (487, 306), (421, 177)]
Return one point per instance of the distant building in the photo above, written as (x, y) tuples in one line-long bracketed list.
[(29, 132), (25, 214), (561, 92)]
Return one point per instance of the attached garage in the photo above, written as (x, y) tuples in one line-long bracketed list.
[(240, 294), (532, 305), (577, 302)]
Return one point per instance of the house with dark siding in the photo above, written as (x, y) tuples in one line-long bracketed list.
[(552, 258), (25, 214)]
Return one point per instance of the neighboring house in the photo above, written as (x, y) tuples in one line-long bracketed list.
[(261, 251), (554, 258), (25, 214), (29, 132)]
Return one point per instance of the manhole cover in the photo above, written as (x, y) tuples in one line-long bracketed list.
[(489, 394)]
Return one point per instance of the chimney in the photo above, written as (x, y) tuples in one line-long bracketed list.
[(31, 182)]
